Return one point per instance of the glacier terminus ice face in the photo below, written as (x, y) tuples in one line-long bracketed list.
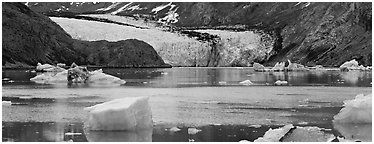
[(125, 114)]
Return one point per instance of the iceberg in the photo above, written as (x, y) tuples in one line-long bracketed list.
[(275, 135), (246, 82), (352, 65), (258, 67), (295, 67), (95, 77), (48, 68), (279, 66), (126, 114), (357, 110), (193, 131), (279, 82)]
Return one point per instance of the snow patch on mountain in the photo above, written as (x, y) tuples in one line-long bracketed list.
[(121, 9), (159, 8), (171, 17), (109, 7)]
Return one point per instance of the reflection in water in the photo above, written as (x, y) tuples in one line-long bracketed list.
[(119, 136), (360, 132)]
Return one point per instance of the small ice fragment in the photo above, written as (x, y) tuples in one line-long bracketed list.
[(11, 81), (6, 79), (244, 141), (25, 97), (255, 126), (193, 131), (217, 124), (246, 82), (164, 73), (279, 82), (274, 135), (7, 103), (191, 140), (303, 123), (222, 82), (33, 71), (145, 82), (174, 129), (293, 110), (70, 134)]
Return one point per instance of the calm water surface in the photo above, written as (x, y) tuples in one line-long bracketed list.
[(209, 99)]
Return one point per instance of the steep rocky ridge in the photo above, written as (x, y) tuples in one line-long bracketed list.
[(29, 38), (308, 33)]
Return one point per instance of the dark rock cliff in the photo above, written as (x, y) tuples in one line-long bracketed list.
[(125, 53), (29, 38)]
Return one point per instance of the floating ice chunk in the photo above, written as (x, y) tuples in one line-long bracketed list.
[(132, 113), (70, 134), (307, 134), (279, 82), (246, 82), (174, 129), (48, 68), (357, 110), (7, 103), (222, 82), (255, 126), (275, 135), (97, 77), (193, 131), (6, 79), (244, 141)]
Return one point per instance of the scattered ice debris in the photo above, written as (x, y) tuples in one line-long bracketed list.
[(193, 131), (131, 113), (352, 65), (255, 126), (174, 129), (246, 82), (71, 133), (279, 82), (307, 134), (357, 110), (258, 67), (275, 135), (7, 103), (191, 140)]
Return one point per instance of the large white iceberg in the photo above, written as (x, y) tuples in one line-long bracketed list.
[(352, 65), (127, 114), (95, 77), (357, 110)]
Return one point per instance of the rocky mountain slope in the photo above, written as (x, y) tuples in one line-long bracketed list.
[(308, 33), (30, 37)]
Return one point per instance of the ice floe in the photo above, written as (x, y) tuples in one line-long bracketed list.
[(279, 82), (193, 131), (129, 114), (275, 135)]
